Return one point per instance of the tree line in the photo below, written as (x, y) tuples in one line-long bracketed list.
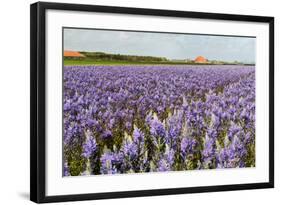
[(121, 57)]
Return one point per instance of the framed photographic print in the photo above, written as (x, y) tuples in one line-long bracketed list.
[(129, 102)]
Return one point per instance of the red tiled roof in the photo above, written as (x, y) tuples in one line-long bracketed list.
[(72, 54), (200, 59)]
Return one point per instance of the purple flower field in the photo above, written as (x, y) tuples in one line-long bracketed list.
[(134, 119)]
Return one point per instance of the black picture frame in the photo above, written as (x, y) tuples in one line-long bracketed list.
[(38, 100)]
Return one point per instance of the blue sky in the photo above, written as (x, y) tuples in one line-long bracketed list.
[(172, 46)]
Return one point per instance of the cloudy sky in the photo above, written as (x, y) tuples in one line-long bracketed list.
[(172, 46)]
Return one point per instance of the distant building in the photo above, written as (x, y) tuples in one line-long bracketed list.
[(73, 54), (200, 59)]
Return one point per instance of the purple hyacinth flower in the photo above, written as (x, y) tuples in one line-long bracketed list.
[(91, 122), (130, 150), (89, 147), (157, 128), (107, 134), (138, 136), (187, 146), (107, 164), (233, 130), (170, 156), (66, 170), (163, 166), (209, 152), (67, 106)]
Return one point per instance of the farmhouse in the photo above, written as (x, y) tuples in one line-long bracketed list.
[(73, 55), (200, 59)]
